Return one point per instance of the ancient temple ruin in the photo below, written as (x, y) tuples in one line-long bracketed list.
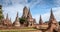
[(51, 25)]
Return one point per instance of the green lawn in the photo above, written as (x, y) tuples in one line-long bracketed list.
[(18, 30)]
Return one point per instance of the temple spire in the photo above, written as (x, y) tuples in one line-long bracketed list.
[(7, 16), (16, 23), (40, 21), (7, 21), (17, 14), (51, 15), (25, 12), (52, 22), (52, 18), (29, 14), (17, 17)]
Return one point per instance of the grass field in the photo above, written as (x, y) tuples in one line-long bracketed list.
[(18, 30)]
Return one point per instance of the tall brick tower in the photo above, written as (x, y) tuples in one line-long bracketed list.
[(40, 21), (16, 23), (30, 19), (52, 18), (25, 12), (53, 24), (29, 15)]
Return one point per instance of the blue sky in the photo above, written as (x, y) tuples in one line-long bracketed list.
[(37, 8)]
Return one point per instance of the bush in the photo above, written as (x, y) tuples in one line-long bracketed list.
[(22, 20)]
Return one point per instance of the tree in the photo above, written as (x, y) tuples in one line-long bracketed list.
[(22, 20), (1, 13)]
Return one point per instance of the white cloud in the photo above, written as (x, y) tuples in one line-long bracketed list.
[(35, 2), (57, 2), (56, 12), (12, 10), (36, 17), (12, 6), (46, 16)]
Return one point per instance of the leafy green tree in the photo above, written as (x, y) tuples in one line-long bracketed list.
[(22, 20), (1, 12)]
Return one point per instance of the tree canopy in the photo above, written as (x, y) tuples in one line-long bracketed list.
[(22, 20)]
